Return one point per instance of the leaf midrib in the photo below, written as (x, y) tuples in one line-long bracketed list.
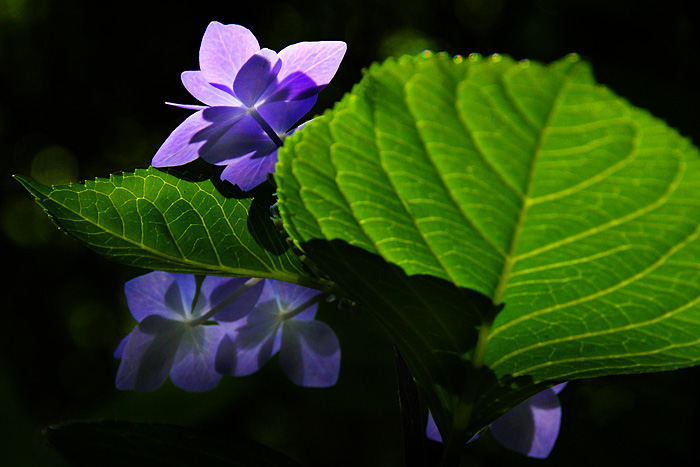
[(511, 254), (217, 269), (143, 246)]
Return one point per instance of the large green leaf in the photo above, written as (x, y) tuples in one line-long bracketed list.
[(157, 220), (441, 190)]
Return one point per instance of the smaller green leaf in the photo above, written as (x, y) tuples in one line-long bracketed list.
[(121, 443), (163, 220)]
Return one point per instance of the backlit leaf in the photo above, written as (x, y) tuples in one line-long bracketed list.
[(156, 220), (442, 190)]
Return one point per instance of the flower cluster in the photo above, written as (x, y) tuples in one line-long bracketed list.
[(252, 97), (195, 331), (530, 428)]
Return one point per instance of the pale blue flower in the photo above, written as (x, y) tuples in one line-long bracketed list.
[(282, 321), (171, 338)]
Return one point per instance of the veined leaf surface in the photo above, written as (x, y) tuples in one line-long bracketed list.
[(155, 220), (441, 190)]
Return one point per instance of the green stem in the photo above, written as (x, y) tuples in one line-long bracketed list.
[(481, 344), (454, 446), (464, 410)]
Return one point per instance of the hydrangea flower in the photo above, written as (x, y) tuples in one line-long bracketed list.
[(170, 338), (282, 321), (252, 98), (530, 428)]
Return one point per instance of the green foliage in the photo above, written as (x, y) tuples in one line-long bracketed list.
[(120, 443), (511, 225), (157, 220), (442, 190)]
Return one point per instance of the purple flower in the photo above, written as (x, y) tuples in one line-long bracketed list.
[(252, 98), (170, 338), (283, 320), (530, 428)]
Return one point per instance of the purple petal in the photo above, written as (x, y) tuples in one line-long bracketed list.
[(224, 50), (148, 356), (255, 76), (282, 115), (188, 106), (307, 67), (310, 353), (218, 289), (250, 171), (532, 427), (317, 60), (179, 148), (431, 430), (197, 135), (193, 368), (247, 347), (242, 137), (198, 86), (215, 289), (160, 293), (226, 358), (188, 288), (289, 296), (558, 387), (119, 351), (248, 360)]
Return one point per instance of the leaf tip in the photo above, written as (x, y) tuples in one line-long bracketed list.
[(29, 184), (22, 179)]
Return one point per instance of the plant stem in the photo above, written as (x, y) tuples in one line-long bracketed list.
[(452, 453), (411, 425), (463, 412)]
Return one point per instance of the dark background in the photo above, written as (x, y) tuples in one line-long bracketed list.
[(82, 92)]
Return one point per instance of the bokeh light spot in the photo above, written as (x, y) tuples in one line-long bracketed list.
[(54, 165)]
